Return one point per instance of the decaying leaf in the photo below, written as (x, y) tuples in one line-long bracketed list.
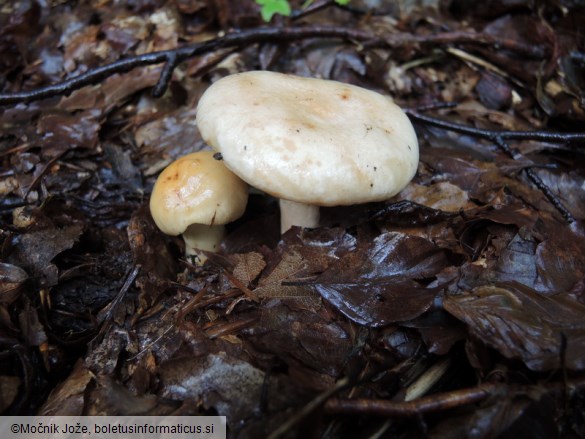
[(306, 339), (248, 267), (272, 286), (521, 323)]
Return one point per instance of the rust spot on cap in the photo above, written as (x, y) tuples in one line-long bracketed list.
[(173, 177), (344, 95)]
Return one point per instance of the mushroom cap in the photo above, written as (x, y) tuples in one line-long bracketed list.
[(197, 189), (309, 140)]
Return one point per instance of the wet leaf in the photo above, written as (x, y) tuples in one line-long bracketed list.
[(379, 302), (113, 397), (151, 253), (409, 213), (93, 296), (443, 196), (302, 337), (517, 262), (521, 323), (375, 285), (560, 260), (63, 131)]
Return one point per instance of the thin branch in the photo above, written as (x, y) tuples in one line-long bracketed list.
[(545, 136), (173, 57), (165, 76), (409, 409), (548, 193), (44, 170), (441, 401)]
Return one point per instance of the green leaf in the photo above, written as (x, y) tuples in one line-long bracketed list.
[(271, 7), (342, 2)]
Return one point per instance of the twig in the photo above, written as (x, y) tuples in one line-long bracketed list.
[(545, 136), (44, 170), (173, 57), (538, 182), (409, 409), (107, 312), (438, 402)]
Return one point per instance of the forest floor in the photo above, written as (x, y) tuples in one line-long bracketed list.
[(455, 309)]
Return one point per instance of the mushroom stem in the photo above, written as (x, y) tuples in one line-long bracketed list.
[(202, 237), (297, 214)]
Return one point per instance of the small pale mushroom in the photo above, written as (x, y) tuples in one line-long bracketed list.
[(196, 196), (309, 142)]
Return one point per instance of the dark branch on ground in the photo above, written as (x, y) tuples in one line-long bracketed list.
[(174, 57), (544, 136)]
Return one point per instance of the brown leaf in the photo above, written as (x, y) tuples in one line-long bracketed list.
[(62, 131), (289, 266), (443, 196), (375, 285), (248, 267), (379, 302), (560, 260), (408, 213), (113, 398), (302, 337), (521, 323), (151, 252)]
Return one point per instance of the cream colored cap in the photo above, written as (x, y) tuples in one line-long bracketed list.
[(309, 140), (197, 189)]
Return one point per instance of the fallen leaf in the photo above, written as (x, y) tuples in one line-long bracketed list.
[(272, 286), (376, 285), (521, 323), (248, 266)]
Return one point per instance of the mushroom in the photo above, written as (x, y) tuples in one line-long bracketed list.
[(196, 196), (309, 142)]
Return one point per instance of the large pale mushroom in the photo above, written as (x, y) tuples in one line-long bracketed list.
[(309, 142), (196, 196)]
